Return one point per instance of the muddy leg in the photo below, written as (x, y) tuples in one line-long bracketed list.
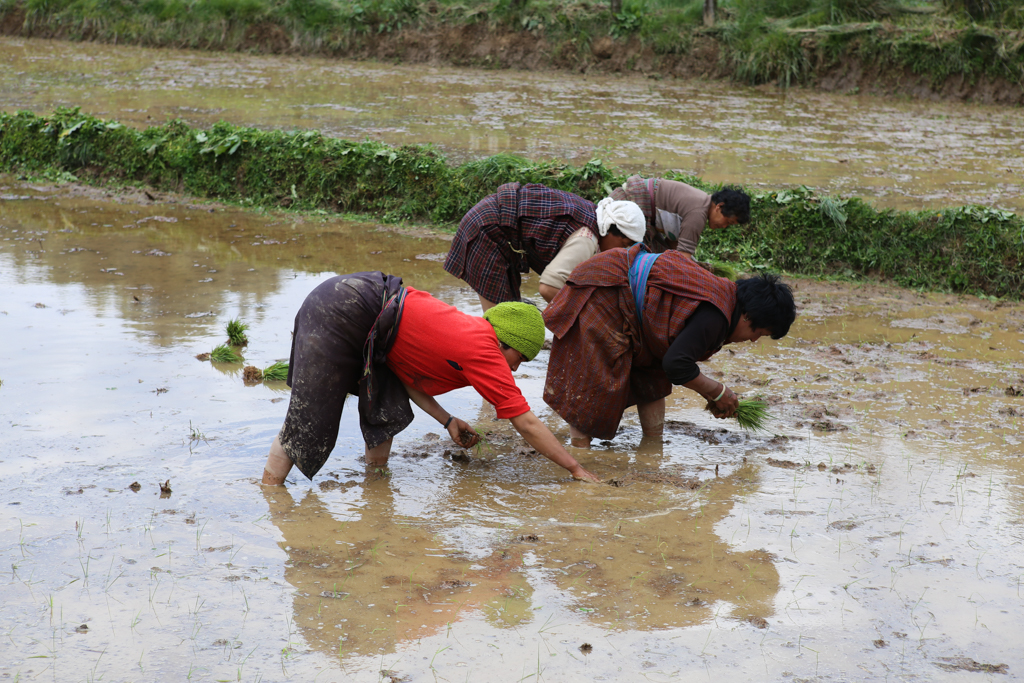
[(378, 455), (578, 438), (652, 417), (485, 304), (278, 465)]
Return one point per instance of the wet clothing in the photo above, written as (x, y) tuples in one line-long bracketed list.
[(602, 361), (331, 334), (365, 334), (676, 213), (506, 234), (440, 348)]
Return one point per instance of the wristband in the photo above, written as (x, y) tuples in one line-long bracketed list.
[(716, 399), (450, 418)]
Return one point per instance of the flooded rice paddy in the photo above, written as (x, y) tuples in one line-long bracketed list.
[(874, 534), (905, 155)]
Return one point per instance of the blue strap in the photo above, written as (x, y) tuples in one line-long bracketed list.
[(638, 273)]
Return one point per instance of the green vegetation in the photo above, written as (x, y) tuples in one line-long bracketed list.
[(726, 270), (968, 249), (759, 41), (752, 415), (278, 372), (236, 333), (225, 354)]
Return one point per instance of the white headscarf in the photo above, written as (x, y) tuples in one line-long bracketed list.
[(626, 216)]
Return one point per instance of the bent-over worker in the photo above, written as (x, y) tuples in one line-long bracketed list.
[(677, 214), (630, 324), (366, 334), (532, 226)]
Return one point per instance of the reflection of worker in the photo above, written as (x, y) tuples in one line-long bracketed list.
[(366, 334), (677, 214), (629, 324), (533, 226)]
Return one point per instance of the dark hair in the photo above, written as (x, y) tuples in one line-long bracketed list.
[(767, 302), (734, 203), (614, 230)]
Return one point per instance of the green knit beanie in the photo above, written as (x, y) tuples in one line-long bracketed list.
[(519, 325)]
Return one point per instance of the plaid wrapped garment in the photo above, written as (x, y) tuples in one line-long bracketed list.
[(601, 361), (508, 233)]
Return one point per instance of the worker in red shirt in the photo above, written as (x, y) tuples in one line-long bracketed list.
[(368, 335)]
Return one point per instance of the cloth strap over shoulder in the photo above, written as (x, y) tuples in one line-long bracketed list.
[(639, 270)]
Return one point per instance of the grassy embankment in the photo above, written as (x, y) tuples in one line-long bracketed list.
[(949, 45), (965, 249)]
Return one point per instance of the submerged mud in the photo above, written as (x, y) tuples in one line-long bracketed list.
[(873, 533), (904, 155)]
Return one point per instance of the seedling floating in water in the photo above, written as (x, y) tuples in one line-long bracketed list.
[(278, 372), (236, 333), (225, 354), (751, 414)]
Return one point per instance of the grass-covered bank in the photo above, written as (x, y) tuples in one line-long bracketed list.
[(965, 249), (955, 49)]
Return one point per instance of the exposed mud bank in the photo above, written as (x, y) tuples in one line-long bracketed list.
[(441, 40)]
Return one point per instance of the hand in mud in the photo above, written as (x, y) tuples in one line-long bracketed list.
[(582, 475), (725, 406), (462, 434)]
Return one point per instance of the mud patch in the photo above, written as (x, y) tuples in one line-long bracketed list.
[(655, 477), (968, 664)]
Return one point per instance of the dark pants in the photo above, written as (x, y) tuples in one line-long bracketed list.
[(328, 363)]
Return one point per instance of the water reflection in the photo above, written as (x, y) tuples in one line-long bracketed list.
[(168, 268), (376, 564)]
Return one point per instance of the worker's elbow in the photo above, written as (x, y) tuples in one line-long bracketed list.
[(548, 292)]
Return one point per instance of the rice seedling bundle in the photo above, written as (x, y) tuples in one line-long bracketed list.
[(278, 372), (751, 414), (726, 270), (225, 354), (236, 333), (252, 374)]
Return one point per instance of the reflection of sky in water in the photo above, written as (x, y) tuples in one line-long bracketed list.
[(904, 154)]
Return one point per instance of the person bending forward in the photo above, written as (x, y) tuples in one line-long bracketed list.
[(613, 350), (532, 226), (677, 214), (366, 334)]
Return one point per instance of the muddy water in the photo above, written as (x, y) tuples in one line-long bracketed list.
[(874, 533), (904, 155)]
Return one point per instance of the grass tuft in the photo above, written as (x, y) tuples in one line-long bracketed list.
[(236, 333), (225, 354)]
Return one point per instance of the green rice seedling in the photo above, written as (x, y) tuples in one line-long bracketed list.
[(278, 372), (236, 333), (726, 270), (751, 414), (225, 354)]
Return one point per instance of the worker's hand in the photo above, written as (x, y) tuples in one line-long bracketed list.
[(581, 474), (462, 434), (725, 406)]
